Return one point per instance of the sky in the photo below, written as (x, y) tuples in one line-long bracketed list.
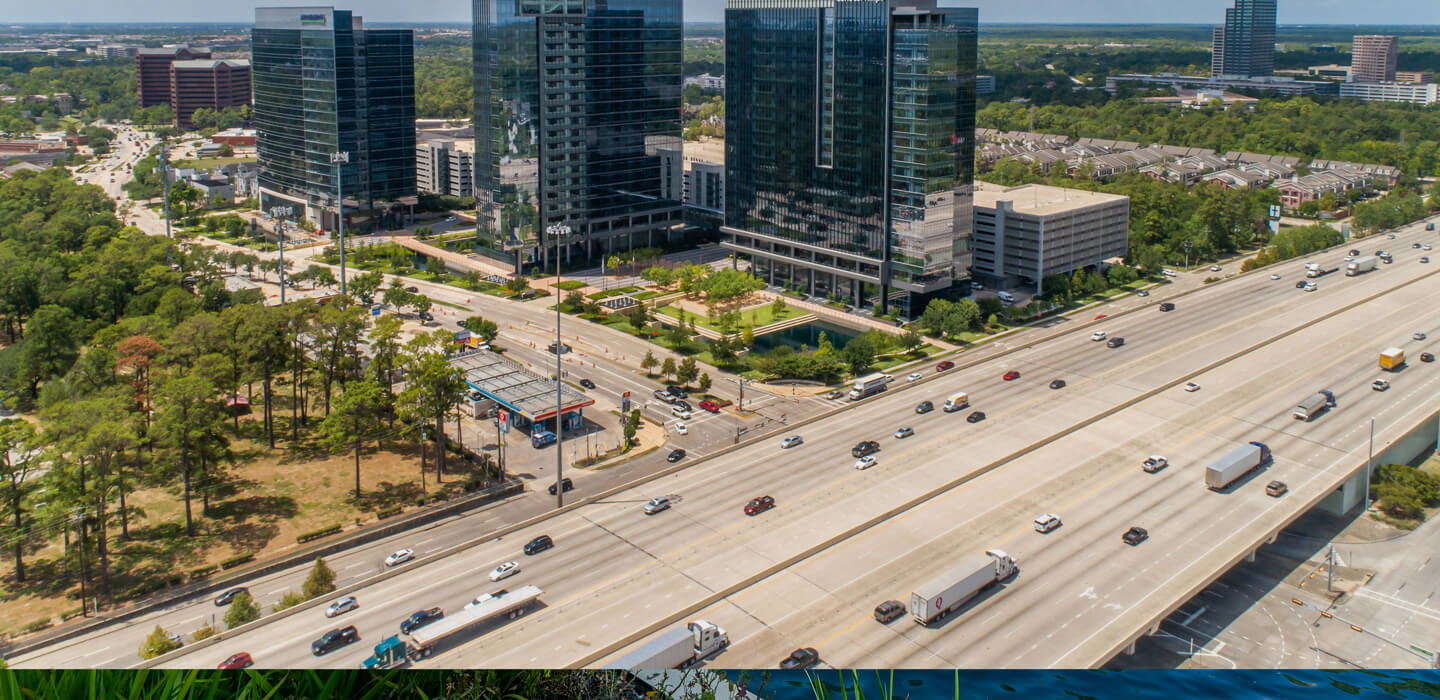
[(1089, 11)]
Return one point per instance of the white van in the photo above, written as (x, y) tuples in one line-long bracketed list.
[(1006, 297), (955, 402)]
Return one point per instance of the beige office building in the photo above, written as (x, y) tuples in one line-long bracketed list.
[(1372, 59)]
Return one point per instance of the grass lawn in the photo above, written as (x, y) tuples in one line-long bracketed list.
[(597, 296), (207, 163), (756, 317), (642, 296), (569, 285)]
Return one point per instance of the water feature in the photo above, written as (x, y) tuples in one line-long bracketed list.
[(807, 335)]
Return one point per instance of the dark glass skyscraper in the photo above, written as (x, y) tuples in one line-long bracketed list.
[(574, 99), (1245, 46), (849, 146), (322, 84)]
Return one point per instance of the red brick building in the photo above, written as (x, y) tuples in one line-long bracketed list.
[(208, 83), (152, 71)]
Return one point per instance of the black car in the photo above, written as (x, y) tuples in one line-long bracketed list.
[(1115, 342), (563, 349), (800, 659), (228, 596), (924, 407), (1167, 306), (334, 639), (566, 484), (587, 383), (675, 455), (1354, 252), (1301, 284), (889, 610), (975, 417), (682, 404), (1057, 384), (426, 316), (1415, 246), (420, 619), (1426, 357), (1134, 536), (865, 447), (539, 544), (677, 392), (413, 290)]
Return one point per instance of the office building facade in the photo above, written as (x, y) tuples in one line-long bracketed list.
[(574, 100), (849, 148), (208, 83), (325, 84), (444, 167), (152, 71), (1372, 58), (1409, 93), (1245, 45)]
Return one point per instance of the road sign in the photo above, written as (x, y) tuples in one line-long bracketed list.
[(504, 420), (625, 395)]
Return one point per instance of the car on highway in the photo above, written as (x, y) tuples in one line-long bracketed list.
[(836, 394), (400, 556), (1311, 287), (711, 406), (1275, 276), (1426, 357), (864, 447), (800, 659), (1425, 259), (1418, 336), (1154, 463), (925, 407), (1354, 252), (1142, 293), (1115, 342), (504, 571), (1391, 236), (1426, 247), (342, 606), (1380, 385), (450, 219), (1167, 306), (587, 383), (1100, 316), (538, 545), (866, 462), (1011, 376), (175, 639), (228, 596), (1276, 489), (914, 377), (1192, 387), (565, 483), (1416, 246), (759, 505), (1097, 335), (656, 504), (682, 429), (944, 366), (1301, 284), (675, 455), (903, 432), (1215, 268), (563, 348), (975, 417), (1057, 384), (420, 618), (888, 611), (791, 441), (237, 661), (334, 639), (1134, 536)]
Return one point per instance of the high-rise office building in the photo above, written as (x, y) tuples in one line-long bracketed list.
[(574, 100), (1372, 58), (152, 71), (208, 83), (849, 146), (1245, 46), (324, 84)]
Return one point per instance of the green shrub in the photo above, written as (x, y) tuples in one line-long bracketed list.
[(289, 600), (317, 534), (205, 632), (242, 610), (320, 581), (389, 512), (237, 560), (37, 625), (203, 571), (157, 643)]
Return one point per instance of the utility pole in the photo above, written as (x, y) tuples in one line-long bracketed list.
[(338, 158)]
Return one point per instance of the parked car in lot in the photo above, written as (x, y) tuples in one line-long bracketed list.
[(975, 417), (791, 441), (228, 596), (1057, 384), (675, 455), (1135, 535), (237, 661), (925, 407), (711, 406), (400, 556), (342, 606), (539, 544), (889, 611), (504, 571), (1047, 522), (944, 366), (656, 504), (904, 432), (800, 659), (1276, 489), (864, 447), (866, 462), (420, 618), (565, 484), (1154, 463), (759, 505), (1011, 376), (1115, 342), (334, 639)]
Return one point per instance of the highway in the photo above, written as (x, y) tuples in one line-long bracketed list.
[(615, 572)]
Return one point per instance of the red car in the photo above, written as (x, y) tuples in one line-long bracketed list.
[(1012, 375), (1097, 318), (710, 406), (240, 660), (759, 505), (944, 366)]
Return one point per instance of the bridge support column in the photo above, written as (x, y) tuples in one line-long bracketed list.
[(1251, 556), (1130, 650), (1350, 494)]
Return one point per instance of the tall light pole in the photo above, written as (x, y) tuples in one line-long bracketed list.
[(339, 158), (558, 232), (1369, 465), (279, 213), (165, 179)]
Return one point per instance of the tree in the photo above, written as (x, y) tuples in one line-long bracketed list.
[(573, 301), (747, 336), (395, 295), (320, 581), (859, 353), (659, 275), (433, 388), (186, 196), (687, 371), (242, 610), (157, 643), (487, 330), (364, 286), (19, 452), (705, 382), (668, 368), (188, 415), (777, 307), (911, 341), (638, 318), (648, 363), (356, 415), (50, 346), (517, 284)]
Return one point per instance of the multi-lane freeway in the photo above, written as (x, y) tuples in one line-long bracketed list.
[(840, 541)]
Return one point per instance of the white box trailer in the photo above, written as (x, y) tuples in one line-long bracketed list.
[(679, 648), (1313, 405), (1361, 265), (1239, 462), (936, 599)]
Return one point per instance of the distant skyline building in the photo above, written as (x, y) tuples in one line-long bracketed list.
[(1372, 58), (1245, 45), (849, 146), (574, 99), (325, 84), (209, 84), (152, 71)]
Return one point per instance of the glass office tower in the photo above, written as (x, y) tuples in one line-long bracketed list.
[(849, 146), (1245, 46), (322, 84), (574, 100)]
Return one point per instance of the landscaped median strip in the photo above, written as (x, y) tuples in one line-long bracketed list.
[(695, 608)]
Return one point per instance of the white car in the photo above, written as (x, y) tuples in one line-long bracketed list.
[(1418, 336), (400, 556), (1311, 287), (504, 571), (1275, 276), (1168, 273), (1192, 386), (1426, 247), (914, 377), (1215, 268), (866, 462), (1154, 463), (680, 412), (682, 429), (1097, 335), (343, 605), (1047, 522), (1391, 236), (1142, 293), (791, 441), (904, 432), (1380, 385)]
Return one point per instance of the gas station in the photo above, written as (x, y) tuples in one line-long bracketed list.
[(517, 397)]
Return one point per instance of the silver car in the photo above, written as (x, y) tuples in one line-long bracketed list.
[(342, 606), (791, 441)]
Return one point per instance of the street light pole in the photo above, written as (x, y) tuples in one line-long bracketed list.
[(1369, 465), (279, 213), (558, 232), (338, 158), (165, 179)]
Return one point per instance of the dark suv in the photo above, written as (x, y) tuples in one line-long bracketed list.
[(800, 659), (420, 619), (1115, 342), (866, 447), (334, 639), (677, 392), (566, 484), (539, 544), (924, 407), (1167, 306), (1135, 535)]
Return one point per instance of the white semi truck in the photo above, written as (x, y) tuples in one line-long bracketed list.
[(681, 647), (1361, 265), (869, 386), (1237, 463), (938, 598), (395, 651)]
